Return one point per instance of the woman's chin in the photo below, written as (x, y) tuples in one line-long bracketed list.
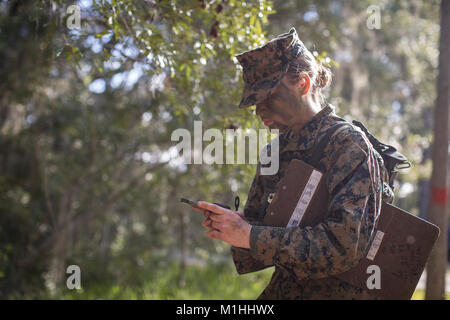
[(278, 126)]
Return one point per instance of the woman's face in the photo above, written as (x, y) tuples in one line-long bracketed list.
[(282, 108)]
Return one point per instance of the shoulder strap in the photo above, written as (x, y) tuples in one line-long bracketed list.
[(320, 145)]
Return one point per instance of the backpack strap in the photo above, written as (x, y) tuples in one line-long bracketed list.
[(319, 146), (392, 159)]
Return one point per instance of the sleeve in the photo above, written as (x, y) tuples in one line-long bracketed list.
[(340, 241), (244, 261)]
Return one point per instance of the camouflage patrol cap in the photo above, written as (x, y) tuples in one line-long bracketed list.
[(264, 67)]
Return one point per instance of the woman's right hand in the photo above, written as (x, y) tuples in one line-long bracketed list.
[(207, 222)]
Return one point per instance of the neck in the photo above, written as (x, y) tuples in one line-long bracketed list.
[(308, 110)]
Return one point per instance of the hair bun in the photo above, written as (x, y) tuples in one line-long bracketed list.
[(323, 76)]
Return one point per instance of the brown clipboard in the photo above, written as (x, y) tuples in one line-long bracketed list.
[(401, 242)]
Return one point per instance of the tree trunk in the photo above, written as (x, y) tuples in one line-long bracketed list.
[(181, 281), (424, 196), (184, 218), (438, 205), (62, 247)]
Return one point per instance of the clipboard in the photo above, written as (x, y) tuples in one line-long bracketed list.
[(400, 245)]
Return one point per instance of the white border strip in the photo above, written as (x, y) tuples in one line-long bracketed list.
[(376, 243), (305, 198)]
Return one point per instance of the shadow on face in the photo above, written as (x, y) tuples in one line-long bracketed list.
[(281, 109)]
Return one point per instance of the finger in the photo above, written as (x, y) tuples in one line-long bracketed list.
[(217, 225), (218, 217), (212, 207), (199, 209), (214, 234), (222, 227), (207, 223)]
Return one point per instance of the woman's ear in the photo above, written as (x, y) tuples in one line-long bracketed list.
[(304, 83)]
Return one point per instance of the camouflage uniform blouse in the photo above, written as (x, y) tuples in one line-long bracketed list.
[(306, 259)]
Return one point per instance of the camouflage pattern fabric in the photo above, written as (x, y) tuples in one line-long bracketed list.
[(307, 259), (264, 67)]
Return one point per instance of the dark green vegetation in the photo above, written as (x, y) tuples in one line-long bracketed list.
[(86, 117)]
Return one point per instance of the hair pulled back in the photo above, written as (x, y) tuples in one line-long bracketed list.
[(319, 74)]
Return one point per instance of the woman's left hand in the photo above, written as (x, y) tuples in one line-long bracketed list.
[(227, 225)]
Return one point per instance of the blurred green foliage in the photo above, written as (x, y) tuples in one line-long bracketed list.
[(87, 169), (88, 172), (212, 282)]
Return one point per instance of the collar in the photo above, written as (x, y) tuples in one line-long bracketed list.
[(305, 138)]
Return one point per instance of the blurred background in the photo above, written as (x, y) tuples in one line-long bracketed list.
[(91, 91)]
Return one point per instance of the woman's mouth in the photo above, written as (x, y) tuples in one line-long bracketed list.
[(267, 122)]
